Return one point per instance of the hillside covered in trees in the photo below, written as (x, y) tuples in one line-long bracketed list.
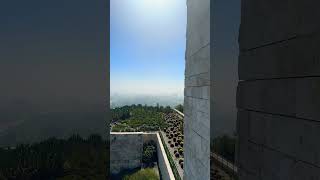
[(138, 118), (73, 158)]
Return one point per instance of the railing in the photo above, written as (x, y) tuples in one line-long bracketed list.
[(180, 113), (225, 164)]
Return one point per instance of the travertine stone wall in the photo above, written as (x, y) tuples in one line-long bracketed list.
[(127, 148), (125, 151), (197, 92), (278, 93)]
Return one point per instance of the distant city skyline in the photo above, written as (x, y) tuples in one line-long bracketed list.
[(147, 47)]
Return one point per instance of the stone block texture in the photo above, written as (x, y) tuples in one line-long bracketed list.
[(278, 94), (197, 92), (125, 151)]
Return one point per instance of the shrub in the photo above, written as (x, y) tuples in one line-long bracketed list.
[(149, 153), (181, 144), (180, 160), (171, 145), (179, 107), (180, 151), (177, 155)]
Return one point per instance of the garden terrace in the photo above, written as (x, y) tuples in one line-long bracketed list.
[(137, 118), (173, 137)]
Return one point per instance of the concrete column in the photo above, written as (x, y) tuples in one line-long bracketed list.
[(197, 92), (278, 94)]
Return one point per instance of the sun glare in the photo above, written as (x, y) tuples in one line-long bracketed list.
[(155, 4)]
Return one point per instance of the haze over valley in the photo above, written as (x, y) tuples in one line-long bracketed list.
[(121, 99)]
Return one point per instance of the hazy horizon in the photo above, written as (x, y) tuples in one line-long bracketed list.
[(119, 99)]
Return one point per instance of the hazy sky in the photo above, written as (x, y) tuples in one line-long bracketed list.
[(147, 46)]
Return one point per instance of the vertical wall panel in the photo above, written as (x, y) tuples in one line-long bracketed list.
[(279, 89), (197, 92)]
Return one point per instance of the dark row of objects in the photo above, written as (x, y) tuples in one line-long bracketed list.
[(174, 132)]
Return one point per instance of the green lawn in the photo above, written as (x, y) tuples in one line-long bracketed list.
[(143, 174)]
